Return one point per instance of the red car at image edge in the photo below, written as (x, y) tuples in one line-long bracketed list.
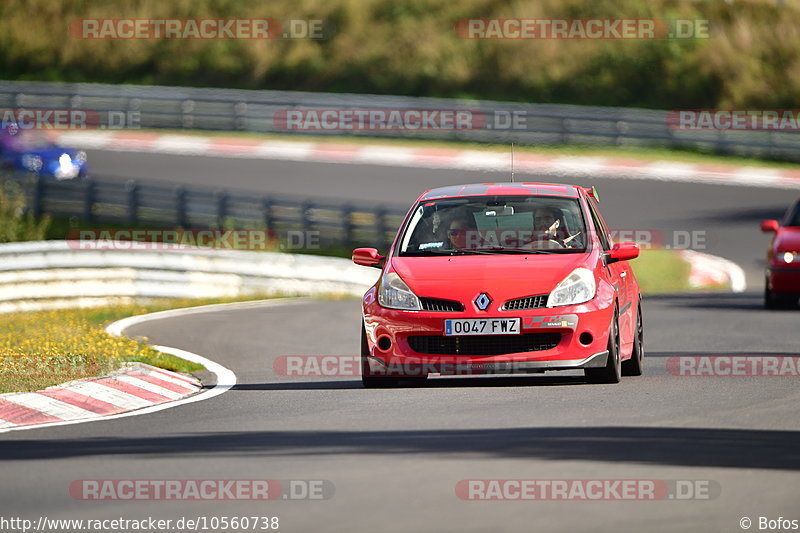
[(782, 284), (502, 278)]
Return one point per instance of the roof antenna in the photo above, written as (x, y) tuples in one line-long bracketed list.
[(512, 162)]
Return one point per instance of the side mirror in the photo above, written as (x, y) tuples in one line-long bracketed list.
[(622, 251), (368, 257), (769, 226)]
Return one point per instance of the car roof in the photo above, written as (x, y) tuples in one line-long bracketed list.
[(505, 188)]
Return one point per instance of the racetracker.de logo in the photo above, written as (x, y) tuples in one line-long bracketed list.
[(734, 119), (726, 366), (200, 489), (191, 239), (572, 29), (203, 29), (67, 119), (373, 119), (586, 489)]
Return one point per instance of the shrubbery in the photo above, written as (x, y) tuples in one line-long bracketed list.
[(409, 47)]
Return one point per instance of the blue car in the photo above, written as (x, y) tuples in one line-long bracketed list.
[(33, 151)]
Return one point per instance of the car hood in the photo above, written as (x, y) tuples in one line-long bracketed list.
[(463, 277), (787, 239)]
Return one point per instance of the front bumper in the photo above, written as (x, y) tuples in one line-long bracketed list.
[(577, 339), (381, 367)]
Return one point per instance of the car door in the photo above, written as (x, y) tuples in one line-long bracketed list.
[(620, 275)]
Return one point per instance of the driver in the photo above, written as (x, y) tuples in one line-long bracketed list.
[(547, 227), (461, 232)]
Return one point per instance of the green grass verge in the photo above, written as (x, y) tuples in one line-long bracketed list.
[(661, 271), (44, 348)]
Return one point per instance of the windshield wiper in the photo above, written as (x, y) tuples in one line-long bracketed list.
[(443, 252), (501, 250)]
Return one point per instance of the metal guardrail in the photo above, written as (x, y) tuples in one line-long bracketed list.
[(134, 203), (258, 111), (58, 274)]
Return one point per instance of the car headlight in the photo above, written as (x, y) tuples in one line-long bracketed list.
[(32, 162), (577, 288), (66, 168), (395, 294), (80, 157), (789, 257)]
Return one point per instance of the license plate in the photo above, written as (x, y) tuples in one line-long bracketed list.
[(482, 326)]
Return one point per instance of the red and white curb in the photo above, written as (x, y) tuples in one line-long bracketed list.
[(73, 407), (135, 386), (710, 271), (569, 167)]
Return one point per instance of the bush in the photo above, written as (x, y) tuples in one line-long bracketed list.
[(409, 47), (16, 223)]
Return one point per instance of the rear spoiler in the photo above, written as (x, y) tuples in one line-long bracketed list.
[(592, 191)]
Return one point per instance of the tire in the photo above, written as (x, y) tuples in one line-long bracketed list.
[(612, 372), (635, 365), (778, 301), (369, 380), (770, 298)]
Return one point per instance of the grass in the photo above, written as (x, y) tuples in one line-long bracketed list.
[(682, 155), (661, 271), (44, 348)]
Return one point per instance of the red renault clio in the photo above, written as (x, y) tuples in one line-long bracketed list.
[(502, 278)]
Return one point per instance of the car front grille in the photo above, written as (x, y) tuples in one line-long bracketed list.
[(436, 304), (529, 302), (483, 344)]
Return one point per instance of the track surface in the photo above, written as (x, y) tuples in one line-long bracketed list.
[(395, 456)]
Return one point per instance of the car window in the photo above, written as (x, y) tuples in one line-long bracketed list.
[(793, 215), (513, 223), (600, 226)]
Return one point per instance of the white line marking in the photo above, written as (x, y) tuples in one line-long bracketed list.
[(732, 271)]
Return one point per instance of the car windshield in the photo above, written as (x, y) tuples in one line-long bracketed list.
[(495, 224), (794, 217)]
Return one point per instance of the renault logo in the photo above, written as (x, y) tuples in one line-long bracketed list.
[(483, 301)]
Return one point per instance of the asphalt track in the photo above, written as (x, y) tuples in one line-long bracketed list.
[(395, 456)]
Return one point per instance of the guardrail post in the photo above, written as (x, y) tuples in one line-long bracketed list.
[(180, 206), (221, 199), (266, 212), (347, 225), (37, 198), (132, 194), (187, 117), (88, 200), (306, 221), (380, 227), (621, 128)]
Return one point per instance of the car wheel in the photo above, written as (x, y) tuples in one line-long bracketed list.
[(777, 301), (770, 300), (635, 365), (368, 379), (612, 371)]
